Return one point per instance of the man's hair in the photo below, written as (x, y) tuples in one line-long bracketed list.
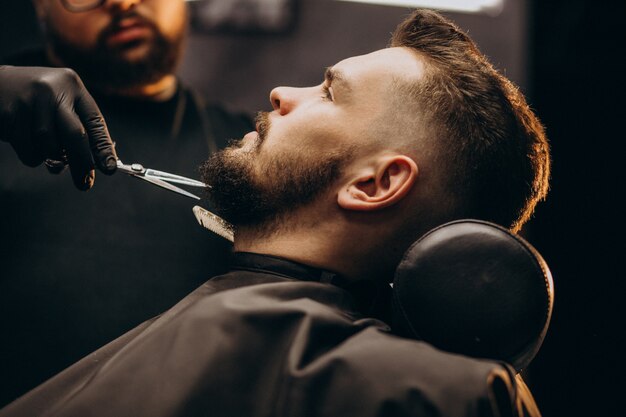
[(491, 150)]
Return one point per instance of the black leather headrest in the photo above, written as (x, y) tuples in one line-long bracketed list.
[(472, 287)]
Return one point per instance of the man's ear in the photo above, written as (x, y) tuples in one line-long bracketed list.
[(379, 186)]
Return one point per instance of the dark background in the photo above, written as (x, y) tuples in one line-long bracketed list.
[(578, 90), (566, 55)]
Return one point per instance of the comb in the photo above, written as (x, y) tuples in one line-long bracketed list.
[(214, 223)]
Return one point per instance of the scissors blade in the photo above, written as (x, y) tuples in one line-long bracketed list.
[(166, 176), (167, 186)]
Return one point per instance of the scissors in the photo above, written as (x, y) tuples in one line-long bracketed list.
[(207, 219), (160, 178)]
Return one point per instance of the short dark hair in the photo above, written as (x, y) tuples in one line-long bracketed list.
[(492, 149)]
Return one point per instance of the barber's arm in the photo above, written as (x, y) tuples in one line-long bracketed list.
[(46, 113)]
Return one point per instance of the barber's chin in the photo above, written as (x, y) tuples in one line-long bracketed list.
[(135, 51)]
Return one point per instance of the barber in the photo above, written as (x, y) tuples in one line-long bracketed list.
[(122, 252)]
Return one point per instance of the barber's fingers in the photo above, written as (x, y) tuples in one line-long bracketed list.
[(99, 139), (74, 139), (20, 125), (48, 114), (83, 134), (43, 132)]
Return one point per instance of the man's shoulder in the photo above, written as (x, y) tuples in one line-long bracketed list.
[(339, 360), (375, 355), (327, 320), (372, 372)]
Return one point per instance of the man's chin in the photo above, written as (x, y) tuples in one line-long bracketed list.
[(134, 52)]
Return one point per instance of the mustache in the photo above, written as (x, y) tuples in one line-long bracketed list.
[(262, 122), (115, 24)]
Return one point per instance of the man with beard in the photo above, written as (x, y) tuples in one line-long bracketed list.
[(326, 196), (80, 269)]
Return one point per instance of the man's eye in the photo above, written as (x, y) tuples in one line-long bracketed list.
[(327, 93)]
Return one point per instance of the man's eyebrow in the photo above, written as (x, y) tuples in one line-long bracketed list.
[(333, 75)]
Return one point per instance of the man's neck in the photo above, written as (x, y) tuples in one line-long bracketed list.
[(307, 250), (325, 245)]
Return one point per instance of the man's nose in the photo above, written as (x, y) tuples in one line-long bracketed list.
[(285, 99), (282, 99), (121, 5)]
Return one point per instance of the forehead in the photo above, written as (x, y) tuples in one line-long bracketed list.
[(380, 68)]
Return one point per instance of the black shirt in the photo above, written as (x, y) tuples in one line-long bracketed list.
[(80, 268)]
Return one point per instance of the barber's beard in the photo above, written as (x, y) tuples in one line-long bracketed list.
[(259, 197), (105, 68)]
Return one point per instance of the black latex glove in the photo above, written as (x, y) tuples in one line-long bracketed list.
[(46, 113)]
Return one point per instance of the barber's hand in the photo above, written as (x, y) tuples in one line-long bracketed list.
[(46, 113)]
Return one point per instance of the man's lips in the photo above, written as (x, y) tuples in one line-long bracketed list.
[(128, 32), (251, 135)]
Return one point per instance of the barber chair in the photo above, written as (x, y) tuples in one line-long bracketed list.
[(472, 287)]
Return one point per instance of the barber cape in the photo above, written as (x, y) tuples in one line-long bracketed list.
[(271, 338)]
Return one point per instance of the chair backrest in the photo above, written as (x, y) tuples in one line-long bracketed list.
[(474, 288)]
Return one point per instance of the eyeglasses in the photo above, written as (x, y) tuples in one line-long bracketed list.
[(78, 6)]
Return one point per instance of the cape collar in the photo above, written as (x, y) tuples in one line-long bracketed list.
[(371, 298), (284, 267)]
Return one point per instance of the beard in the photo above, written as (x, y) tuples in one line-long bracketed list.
[(104, 67), (254, 196)]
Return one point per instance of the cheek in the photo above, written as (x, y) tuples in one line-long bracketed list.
[(170, 16), (313, 127), (308, 141), (80, 29)]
